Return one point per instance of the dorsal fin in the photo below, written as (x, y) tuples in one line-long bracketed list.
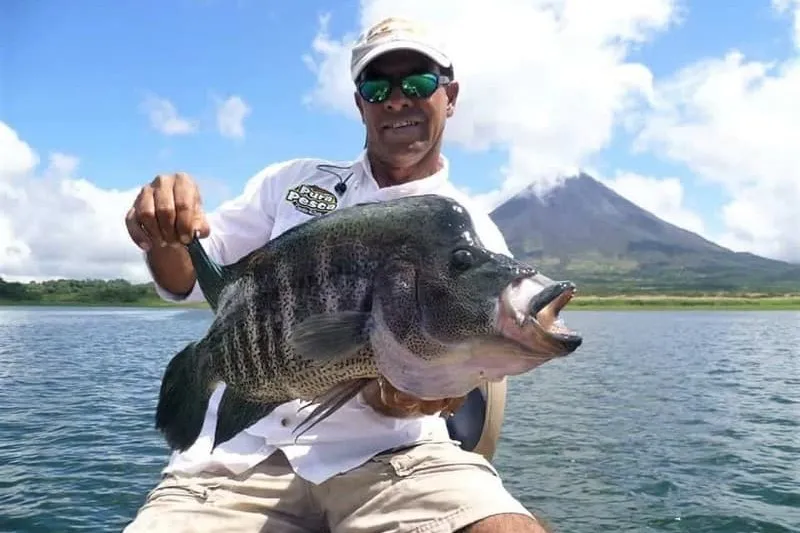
[(210, 274)]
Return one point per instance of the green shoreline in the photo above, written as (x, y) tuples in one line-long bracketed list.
[(705, 302), (579, 303)]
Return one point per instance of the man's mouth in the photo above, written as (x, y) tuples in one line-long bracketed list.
[(400, 124)]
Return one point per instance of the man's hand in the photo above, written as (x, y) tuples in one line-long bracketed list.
[(387, 400), (167, 212)]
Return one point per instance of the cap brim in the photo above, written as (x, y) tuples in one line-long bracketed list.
[(391, 46)]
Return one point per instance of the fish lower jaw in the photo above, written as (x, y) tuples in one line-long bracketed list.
[(558, 327), (555, 326), (532, 318), (541, 335)]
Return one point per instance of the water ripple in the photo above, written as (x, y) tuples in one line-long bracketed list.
[(662, 422), (649, 430), (78, 451)]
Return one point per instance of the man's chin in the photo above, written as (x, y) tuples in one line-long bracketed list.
[(404, 154)]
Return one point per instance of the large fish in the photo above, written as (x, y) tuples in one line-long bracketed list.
[(401, 289)]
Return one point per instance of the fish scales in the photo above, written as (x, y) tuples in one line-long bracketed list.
[(292, 283), (330, 279), (253, 333), (235, 342), (233, 367), (242, 368)]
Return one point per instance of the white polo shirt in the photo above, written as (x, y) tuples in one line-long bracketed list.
[(274, 200)]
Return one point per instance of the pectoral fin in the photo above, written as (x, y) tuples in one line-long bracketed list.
[(330, 402), (327, 337)]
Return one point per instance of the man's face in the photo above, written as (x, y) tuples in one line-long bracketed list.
[(398, 144)]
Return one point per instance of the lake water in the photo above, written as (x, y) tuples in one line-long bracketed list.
[(663, 421)]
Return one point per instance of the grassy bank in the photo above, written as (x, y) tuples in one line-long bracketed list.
[(591, 295), (148, 303), (580, 302), (677, 302)]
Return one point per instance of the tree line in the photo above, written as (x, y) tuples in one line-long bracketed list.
[(91, 291)]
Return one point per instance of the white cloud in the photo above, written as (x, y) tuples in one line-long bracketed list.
[(55, 224), (230, 116), (14, 253), (546, 80), (16, 156), (734, 122), (661, 196), (214, 191), (164, 117)]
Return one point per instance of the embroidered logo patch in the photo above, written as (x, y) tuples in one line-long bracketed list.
[(311, 199)]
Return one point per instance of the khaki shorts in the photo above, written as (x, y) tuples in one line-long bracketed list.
[(431, 488)]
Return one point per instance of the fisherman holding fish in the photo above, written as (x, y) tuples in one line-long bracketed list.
[(384, 460)]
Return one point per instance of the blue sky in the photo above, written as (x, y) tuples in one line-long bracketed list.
[(76, 73)]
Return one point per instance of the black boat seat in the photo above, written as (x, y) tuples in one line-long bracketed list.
[(466, 424), (478, 422)]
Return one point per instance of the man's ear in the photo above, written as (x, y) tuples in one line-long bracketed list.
[(452, 96)]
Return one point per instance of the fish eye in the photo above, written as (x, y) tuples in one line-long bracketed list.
[(462, 259)]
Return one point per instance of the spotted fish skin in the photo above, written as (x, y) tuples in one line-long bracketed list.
[(318, 312)]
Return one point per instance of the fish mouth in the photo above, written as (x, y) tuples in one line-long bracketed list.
[(529, 313)]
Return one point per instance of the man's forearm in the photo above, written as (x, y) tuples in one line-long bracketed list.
[(172, 269)]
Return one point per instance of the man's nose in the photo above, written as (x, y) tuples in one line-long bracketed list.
[(397, 100)]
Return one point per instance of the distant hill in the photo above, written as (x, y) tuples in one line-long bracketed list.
[(585, 231)]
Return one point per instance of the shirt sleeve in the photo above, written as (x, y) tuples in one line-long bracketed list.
[(487, 230), (490, 234), (238, 226)]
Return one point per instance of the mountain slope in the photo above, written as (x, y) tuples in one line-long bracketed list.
[(585, 231)]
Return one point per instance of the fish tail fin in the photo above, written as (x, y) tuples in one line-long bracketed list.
[(331, 401), (183, 399), (237, 413)]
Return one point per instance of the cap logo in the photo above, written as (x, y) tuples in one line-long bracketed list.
[(390, 25)]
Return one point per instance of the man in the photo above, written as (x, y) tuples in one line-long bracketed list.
[(383, 462)]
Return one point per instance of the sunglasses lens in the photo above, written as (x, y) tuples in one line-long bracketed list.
[(420, 85), (413, 86), (375, 90)]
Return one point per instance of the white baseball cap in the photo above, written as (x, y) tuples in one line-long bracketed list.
[(394, 33)]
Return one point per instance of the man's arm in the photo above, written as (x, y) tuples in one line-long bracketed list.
[(172, 270), (507, 523)]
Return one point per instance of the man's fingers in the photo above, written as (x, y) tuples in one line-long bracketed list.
[(204, 228), (188, 211), (146, 213), (164, 203), (166, 212), (389, 401), (138, 235), (198, 226)]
